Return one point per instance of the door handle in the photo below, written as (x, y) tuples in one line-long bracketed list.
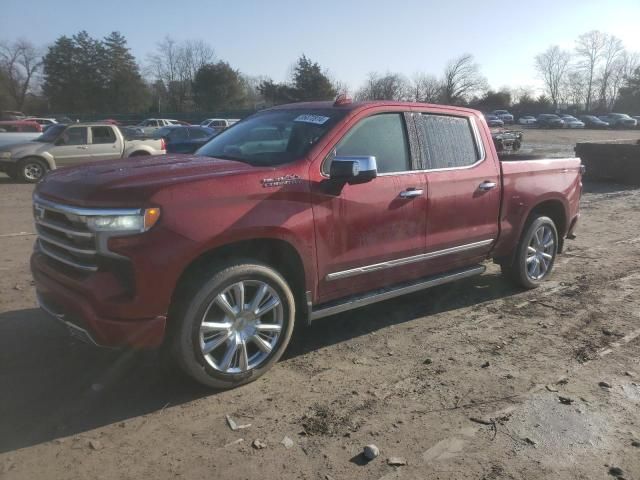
[(82, 147), (411, 192), (486, 186)]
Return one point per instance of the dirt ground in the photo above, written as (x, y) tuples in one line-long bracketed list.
[(473, 380)]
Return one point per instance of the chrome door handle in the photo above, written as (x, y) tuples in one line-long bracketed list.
[(410, 193), (82, 147), (487, 186)]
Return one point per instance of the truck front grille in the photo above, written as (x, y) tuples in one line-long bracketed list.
[(64, 237)]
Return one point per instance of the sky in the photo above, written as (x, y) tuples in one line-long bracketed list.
[(349, 38)]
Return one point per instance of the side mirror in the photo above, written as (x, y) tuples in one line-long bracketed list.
[(353, 170)]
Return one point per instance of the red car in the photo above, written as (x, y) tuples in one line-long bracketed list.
[(296, 213), (23, 126)]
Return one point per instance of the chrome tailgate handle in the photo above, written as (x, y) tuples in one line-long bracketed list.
[(411, 192), (485, 186)]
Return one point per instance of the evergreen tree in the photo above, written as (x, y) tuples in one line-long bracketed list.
[(217, 86), (310, 83)]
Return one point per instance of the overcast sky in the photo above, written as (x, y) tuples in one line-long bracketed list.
[(348, 37)]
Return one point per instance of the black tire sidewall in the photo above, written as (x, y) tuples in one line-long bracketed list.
[(26, 161), (186, 343), (520, 262)]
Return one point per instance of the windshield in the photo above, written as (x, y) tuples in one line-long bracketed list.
[(51, 133), (272, 137)]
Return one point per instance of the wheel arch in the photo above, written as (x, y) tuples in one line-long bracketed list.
[(275, 252)]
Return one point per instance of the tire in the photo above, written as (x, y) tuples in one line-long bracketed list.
[(263, 338), (522, 270), (31, 170)]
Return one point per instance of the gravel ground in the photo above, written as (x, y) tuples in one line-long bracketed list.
[(467, 381)]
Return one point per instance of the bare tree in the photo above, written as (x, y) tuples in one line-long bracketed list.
[(574, 88), (426, 88), (611, 57), (176, 64), (589, 49), (391, 86), (553, 66), (462, 80), (20, 62), (622, 69)]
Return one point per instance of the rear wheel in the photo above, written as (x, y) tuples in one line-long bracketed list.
[(233, 324), (535, 254), (31, 170)]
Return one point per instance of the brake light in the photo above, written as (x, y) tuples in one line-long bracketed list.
[(163, 144)]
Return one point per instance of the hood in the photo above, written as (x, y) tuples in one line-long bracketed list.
[(128, 182), (21, 149)]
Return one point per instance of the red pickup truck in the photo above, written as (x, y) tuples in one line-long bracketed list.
[(295, 213)]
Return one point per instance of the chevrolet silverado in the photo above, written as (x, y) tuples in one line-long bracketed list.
[(296, 213)]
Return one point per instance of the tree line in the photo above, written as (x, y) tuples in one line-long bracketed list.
[(87, 75)]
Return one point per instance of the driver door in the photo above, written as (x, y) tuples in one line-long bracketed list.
[(365, 232), (71, 147)]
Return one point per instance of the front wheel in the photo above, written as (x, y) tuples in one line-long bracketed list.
[(233, 324), (535, 254), (31, 170)]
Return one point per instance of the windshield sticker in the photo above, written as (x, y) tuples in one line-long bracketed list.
[(308, 118)]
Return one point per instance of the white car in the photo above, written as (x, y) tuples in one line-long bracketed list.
[(572, 122), (503, 115), (43, 121), (527, 120), (219, 123), (150, 125)]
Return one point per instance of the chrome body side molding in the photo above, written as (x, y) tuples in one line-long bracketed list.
[(407, 260)]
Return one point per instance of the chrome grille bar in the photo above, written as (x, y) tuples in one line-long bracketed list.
[(61, 244), (66, 260)]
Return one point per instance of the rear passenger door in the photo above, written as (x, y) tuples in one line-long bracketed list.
[(104, 144), (464, 189)]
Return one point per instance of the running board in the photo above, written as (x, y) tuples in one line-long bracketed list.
[(386, 294)]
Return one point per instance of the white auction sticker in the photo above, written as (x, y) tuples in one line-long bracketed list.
[(308, 118)]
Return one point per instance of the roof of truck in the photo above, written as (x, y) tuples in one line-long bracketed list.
[(369, 104)]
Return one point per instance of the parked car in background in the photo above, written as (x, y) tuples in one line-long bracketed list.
[(181, 139), (527, 120), (42, 121), (12, 115), (219, 123), (549, 120), (217, 256), (150, 125), (637, 119), (493, 121), (18, 131), (63, 145), (619, 120), (64, 119), (503, 115), (110, 121), (572, 122), (591, 121)]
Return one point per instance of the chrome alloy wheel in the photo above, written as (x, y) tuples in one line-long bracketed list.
[(540, 252), (241, 327), (33, 171)]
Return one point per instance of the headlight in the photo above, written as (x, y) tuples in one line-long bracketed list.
[(5, 154), (125, 223)]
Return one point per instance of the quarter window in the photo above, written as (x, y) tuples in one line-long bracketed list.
[(447, 142), (383, 136)]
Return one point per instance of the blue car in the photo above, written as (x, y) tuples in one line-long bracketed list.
[(183, 139)]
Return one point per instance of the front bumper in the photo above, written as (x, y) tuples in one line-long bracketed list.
[(76, 311)]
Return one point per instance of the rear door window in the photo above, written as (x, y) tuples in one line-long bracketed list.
[(102, 135), (446, 141)]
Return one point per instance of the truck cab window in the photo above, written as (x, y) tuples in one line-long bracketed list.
[(102, 135), (73, 136), (383, 136), (447, 141)]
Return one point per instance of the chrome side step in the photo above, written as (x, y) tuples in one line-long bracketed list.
[(386, 294)]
